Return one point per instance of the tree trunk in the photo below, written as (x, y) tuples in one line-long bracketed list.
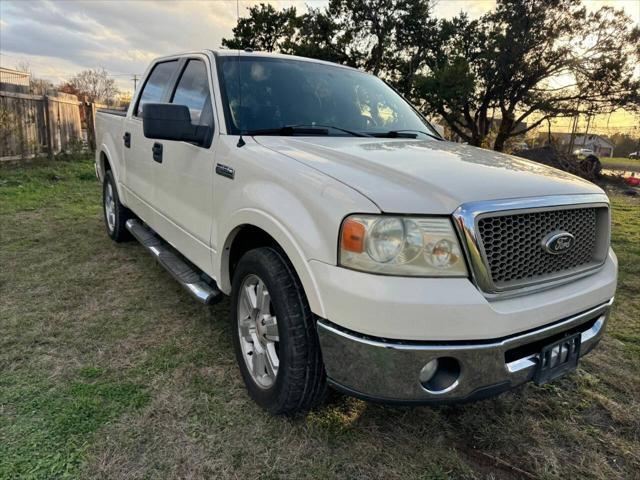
[(476, 140), (498, 145), (506, 126)]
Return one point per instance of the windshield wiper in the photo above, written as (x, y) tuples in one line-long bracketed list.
[(340, 129), (311, 129), (287, 130), (404, 134)]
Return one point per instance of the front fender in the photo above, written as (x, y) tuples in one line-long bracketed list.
[(300, 207), (278, 231)]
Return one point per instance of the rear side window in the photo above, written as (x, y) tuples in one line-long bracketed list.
[(193, 91), (156, 84)]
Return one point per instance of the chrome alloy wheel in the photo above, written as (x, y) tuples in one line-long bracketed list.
[(110, 207), (258, 331)]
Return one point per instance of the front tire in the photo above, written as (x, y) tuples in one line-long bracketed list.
[(274, 335), (115, 214)]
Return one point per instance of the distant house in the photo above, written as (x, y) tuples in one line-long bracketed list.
[(14, 80), (600, 145)]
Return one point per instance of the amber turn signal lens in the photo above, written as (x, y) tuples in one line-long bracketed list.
[(353, 236)]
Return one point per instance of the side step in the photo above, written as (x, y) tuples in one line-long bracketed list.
[(182, 270)]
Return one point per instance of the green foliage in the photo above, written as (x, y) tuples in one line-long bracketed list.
[(621, 163), (56, 182), (8, 125), (264, 29), (49, 425), (485, 78), (91, 372), (75, 151)]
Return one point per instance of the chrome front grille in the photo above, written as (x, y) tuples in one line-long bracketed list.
[(505, 240), (513, 249)]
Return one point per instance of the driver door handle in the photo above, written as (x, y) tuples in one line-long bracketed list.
[(157, 152)]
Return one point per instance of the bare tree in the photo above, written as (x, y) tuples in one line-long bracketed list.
[(96, 85), (23, 66), (37, 86)]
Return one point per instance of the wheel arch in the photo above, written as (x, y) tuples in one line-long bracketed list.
[(252, 229), (105, 161), (103, 164)]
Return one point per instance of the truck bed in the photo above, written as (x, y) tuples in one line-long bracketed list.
[(109, 125), (112, 111)]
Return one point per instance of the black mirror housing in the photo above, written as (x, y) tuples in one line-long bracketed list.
[(168, 121)]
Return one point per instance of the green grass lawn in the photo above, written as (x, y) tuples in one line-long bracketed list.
[(108, 369), (620, 163)]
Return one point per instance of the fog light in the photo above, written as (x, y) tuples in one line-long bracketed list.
[(428, 371), (440, 375)]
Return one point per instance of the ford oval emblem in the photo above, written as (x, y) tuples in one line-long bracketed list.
[(558, 242)]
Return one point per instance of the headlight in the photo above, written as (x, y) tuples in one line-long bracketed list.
[(406, 246)]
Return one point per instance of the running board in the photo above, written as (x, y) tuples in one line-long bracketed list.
[(183, 271)]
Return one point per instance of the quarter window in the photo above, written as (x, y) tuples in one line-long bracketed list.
[(156, 84), (193, 91)]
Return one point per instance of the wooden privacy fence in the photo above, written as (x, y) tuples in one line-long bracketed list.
[(36, 124)]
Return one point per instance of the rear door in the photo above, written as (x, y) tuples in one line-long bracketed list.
[(184, 180), (138, 155)]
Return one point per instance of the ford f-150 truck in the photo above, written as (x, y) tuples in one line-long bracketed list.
[(360, 249)]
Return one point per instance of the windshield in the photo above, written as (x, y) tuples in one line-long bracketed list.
[(282, 92)]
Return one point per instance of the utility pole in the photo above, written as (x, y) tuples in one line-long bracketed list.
[(586, 132), (638, 128), (572, 137), (135, 82)]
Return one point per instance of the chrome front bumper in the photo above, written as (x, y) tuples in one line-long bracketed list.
[(389, 371)]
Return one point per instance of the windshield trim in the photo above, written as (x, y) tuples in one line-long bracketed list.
[(427, 123), (233, 130)]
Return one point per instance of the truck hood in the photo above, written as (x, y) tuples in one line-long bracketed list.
[(425, 176)]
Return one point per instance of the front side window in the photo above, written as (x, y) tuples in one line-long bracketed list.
[(156, 84), (272, 93), (193, 91)]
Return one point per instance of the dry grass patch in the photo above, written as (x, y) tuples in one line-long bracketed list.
[(109, 370)]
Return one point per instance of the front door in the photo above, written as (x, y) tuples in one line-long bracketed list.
[(139, 168), (183, 178)]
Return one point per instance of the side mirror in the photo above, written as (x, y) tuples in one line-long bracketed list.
[(168, 121)]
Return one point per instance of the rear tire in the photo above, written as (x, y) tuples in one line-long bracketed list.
[(115, 214), (282, 323)]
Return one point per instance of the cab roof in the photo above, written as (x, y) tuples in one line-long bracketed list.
[(250, 54), (245, 53)]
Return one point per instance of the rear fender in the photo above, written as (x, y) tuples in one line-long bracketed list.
[(107, 153)]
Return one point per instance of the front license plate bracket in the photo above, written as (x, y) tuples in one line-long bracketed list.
[(557, 359)]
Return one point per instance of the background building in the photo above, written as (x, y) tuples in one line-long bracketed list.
[(14, 80)]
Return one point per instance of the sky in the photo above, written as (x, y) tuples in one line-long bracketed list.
[(59, 38)]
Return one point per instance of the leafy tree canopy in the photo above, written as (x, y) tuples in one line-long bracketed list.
[(524, 62), (265, 29)]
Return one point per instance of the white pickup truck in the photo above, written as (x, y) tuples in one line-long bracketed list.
[(359, 248)]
